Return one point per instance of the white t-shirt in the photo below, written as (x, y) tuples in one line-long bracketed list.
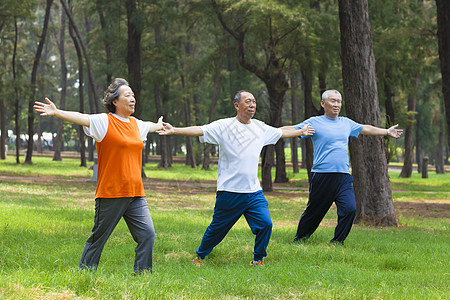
[(240, 146), (98, 126)]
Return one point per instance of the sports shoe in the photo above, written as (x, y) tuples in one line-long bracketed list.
[(335, 242), (298, 241), (197, 261), (257, 262)]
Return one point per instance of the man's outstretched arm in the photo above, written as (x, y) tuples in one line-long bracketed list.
[(290, 131), (186, 131), (377, 131)]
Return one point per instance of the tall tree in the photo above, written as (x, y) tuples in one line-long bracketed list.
[(36, 61), (164, 141), (267, 35), (295, 116), (16, 93), (443, 22), (409, 133), (92, 85), (58, 141), (135, 27), (216, 86), (80, 132), (3, 132), (369, 167), (106, 24)]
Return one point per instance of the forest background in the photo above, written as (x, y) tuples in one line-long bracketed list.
[(186, 59)]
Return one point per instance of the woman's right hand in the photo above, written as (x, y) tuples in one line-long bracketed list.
[(46, 109)]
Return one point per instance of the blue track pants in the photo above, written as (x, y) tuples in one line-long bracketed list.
[(227, 211)]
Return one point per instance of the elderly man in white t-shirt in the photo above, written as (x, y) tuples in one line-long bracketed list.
[(239, 192)]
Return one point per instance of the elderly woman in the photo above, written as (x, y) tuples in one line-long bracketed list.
[(120, 192)]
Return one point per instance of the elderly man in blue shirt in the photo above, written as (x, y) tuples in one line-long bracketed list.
[(330, 179)]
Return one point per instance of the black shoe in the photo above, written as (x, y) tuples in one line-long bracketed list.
[(298, 240), (335, 242)]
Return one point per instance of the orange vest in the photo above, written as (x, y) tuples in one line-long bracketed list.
[(120, 161)]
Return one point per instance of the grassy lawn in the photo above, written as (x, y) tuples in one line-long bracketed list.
[(46, 215)]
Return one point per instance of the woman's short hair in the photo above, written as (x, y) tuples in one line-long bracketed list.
[(112, 93)]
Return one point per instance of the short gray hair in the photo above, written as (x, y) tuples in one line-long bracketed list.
[(112, 93), (325, 94), (237, 97)]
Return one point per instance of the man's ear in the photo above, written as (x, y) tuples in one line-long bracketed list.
[(322, 103)]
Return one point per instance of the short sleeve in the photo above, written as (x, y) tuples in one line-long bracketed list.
[(98, 126), (212, 133), (300, 126), (144, 128), (271, 135), (355, 128)]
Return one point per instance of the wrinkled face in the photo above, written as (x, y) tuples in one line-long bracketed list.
[(246, 107), (332, 105), (125, 103)]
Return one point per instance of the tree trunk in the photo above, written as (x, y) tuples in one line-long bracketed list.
[(163, 140), (37, 59), (16, 94), (310, 111), (439, 159), (295, 116), (409, 133), (58, 145), (425, 167), (276, 88), (107, 41), (212, 112), (134, 54), (165, 161), (3, 131), (390, 112), (266, 168), (80, 131), (42, 74), (190, 158), (419, 150), (84, 49), (443, 22), (369, 167), (134, 60)]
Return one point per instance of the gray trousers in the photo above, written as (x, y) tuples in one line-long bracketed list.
[(108, 212)]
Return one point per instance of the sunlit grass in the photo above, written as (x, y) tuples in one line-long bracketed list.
[(44, 225), (44, 166)]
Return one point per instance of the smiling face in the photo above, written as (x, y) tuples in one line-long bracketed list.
[(332, 105), (245, 107), (125, 103)]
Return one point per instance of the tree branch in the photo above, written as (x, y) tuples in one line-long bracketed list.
[(83, 48)]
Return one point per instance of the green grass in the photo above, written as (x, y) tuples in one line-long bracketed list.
[(44, 225)]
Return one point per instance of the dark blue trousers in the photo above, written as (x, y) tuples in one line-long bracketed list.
[(227, 211), (324, 189)]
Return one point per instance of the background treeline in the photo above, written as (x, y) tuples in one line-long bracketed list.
[(186, 59)]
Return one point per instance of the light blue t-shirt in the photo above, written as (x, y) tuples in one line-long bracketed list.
[(330, 142)]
